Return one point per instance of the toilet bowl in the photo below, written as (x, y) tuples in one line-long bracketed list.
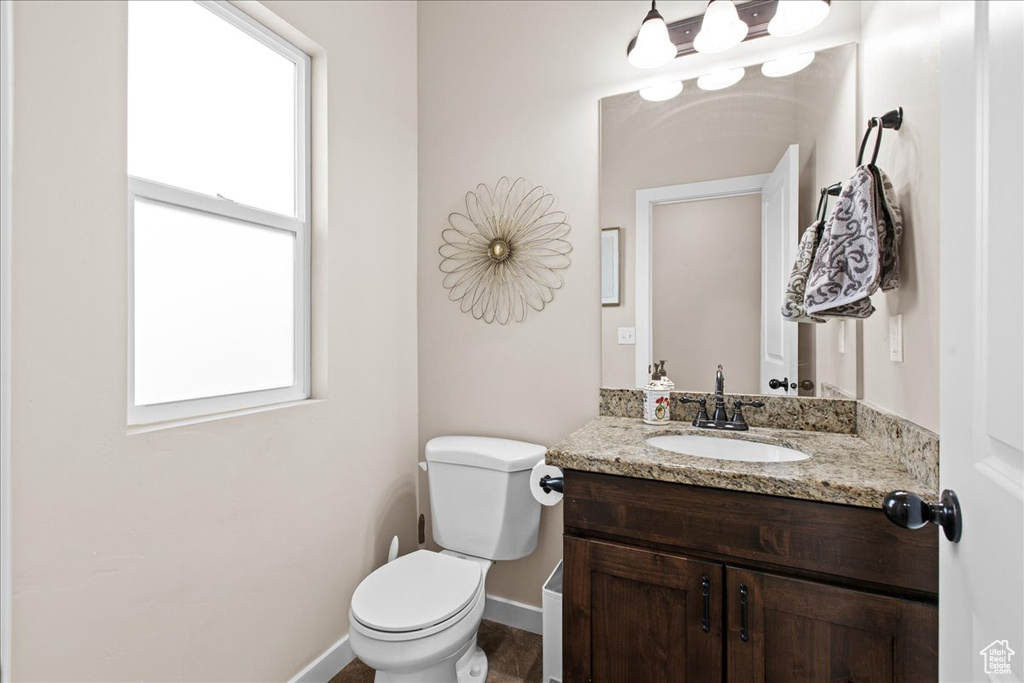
[(415, 619)]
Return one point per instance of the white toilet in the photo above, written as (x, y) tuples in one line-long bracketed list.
[(415, 619)]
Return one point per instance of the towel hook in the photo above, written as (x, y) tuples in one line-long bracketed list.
[(891, 119), (826, 192), (873, 123), (822, 203)]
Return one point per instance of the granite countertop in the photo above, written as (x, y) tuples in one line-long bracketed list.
[(843, 468)]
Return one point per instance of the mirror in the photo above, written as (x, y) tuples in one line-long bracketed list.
[(710, 192)]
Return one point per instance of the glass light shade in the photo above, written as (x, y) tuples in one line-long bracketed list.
[(796, 16), (653, 47), (662, 91), (719, 80), (720, 29), (785, 66)]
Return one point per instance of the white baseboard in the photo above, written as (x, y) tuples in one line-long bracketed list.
[(327, 665), (338, 656), (514, 614)]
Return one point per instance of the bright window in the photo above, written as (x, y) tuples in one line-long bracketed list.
[(218, 205)]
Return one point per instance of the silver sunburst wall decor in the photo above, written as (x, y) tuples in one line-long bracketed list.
[(502, 256)]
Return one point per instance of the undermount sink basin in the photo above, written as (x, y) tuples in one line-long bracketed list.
[(724, 448)]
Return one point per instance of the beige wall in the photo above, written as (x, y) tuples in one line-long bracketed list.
[(511, 88), (827, 110), (706, 272), (899, 66), (226, 550)]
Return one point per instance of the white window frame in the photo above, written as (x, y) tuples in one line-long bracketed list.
[(299, 226)]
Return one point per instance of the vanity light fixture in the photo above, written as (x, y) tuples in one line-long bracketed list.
[(785, 66), (720, 80), (796, 16), (721, 28), (652, 47), (662, 91)]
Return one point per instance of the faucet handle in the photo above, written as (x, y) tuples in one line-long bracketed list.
[(702, 413), (738, 405), (738, 421)]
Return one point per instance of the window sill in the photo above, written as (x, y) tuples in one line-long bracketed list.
[(199, 419)]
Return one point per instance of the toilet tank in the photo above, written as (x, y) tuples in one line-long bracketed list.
[(480, 500)]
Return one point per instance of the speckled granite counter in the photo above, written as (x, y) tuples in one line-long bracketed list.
[(843, 468)]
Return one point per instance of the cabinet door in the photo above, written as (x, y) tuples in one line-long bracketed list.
[(791, 631), (640, 615)]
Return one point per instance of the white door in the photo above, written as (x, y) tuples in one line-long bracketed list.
[(779, 229), (981, 586)]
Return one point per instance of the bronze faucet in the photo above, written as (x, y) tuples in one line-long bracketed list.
[(721, 419)]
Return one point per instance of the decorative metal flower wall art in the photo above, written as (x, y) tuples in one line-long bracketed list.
[(503, 255)]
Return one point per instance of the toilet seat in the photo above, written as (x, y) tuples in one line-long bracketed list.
[(417, 593)]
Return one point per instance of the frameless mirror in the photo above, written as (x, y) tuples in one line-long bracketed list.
[(710, 192)]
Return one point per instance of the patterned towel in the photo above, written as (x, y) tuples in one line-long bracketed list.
[(890, 229), (793, 301), (859, 250)]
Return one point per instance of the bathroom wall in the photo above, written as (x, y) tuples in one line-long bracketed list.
[(898, 60), (828, 110), (226, 550), (512, 88), (488, 108), (710, 248), (899, 63)]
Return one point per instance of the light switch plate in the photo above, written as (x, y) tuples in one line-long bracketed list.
[(627, 335), (842, 336), (896, 338)]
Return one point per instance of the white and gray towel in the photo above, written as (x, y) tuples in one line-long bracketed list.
[(859, 250), (793, 308)]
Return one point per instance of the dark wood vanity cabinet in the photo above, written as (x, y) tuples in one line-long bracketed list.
[(810, 632), (640, 615), (669, 582)]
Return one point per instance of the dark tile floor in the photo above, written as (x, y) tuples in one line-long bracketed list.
[(513, 656)]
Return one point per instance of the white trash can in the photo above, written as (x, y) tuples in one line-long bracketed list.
[(551, 604)]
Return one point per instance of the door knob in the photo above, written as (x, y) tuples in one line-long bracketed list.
[(910, 511), (780, 384)]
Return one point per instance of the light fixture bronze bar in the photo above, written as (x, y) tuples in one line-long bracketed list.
[(755, 14)]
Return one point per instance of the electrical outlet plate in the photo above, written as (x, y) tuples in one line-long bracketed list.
[(896, 338), (627, 335)]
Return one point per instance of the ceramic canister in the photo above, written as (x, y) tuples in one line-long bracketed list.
[(656, 406)]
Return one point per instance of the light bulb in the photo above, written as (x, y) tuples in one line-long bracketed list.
[(796, 16), (662, 91), (784, 66), (719, 80), (652, 47), (720, 29)]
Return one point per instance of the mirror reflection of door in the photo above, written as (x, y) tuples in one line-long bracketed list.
[(706, 268), (719, 265), (779, 227)]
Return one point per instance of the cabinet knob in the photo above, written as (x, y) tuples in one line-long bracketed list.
[(910, 511)]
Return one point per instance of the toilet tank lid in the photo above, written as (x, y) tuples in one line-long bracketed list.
[(504, 455)]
